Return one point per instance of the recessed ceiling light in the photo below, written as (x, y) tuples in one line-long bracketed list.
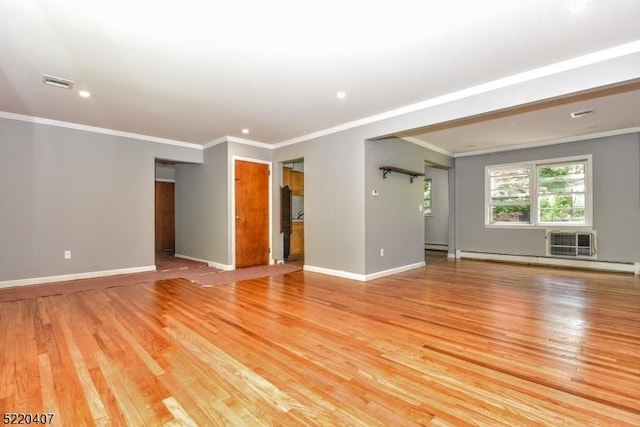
[(341, 95), (245, 131), (84, 93), (582, 113)]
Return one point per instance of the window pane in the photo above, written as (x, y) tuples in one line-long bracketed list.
[(427, 197), (562, 208), (565, 178), (562, 215), (510, 186), (510, 200), (509, 172), (561, 193), (562, 184), (518, 214)]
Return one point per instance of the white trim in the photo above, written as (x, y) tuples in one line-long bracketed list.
[(395, 270), (228, 138), (94, 129), (75, 276), (636, 268), (213, 264), (172, 181), (428, 145), (544, 143), (363, 277), (534, 215), (541, 260), (336, 273), (536, 73), (452, 256), (249, 142), (214, 142), (232, 204)]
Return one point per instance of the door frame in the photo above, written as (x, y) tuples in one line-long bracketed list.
[(232, 206)]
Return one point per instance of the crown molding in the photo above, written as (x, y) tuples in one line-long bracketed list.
[(94, 129), (543, 143), (237, 140), (526, 76), (428, 145), (214, 142)]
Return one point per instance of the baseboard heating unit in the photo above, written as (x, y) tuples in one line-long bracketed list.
[(588, 264)]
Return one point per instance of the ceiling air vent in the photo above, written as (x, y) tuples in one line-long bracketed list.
[(57, 81), (578, 114)]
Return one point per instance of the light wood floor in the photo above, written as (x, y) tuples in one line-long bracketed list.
[(454, 343)]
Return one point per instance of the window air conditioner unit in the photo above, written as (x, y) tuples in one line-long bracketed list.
[(578, 244)]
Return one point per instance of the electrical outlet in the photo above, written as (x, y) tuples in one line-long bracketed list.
[(67, 254), (381, 251)]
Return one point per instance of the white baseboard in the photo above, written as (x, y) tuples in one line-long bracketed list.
[(75, 276), (337, 273), (556, 262), (636, 268), (213, 264), (396, 270), (363, 277)]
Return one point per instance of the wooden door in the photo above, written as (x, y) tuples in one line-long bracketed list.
[(252, 213), (165, 217)]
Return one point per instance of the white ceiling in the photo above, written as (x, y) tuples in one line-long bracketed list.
[(548, 123), (195, 71)]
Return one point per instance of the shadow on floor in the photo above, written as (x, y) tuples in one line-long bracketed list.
[(431, 256)]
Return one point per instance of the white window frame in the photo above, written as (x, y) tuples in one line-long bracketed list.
[(534, 166)]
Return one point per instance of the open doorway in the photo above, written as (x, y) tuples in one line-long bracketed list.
[(164, 210), (292, 211), (436, 213)]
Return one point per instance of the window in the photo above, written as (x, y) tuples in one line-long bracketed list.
[(541, 193), (427, 208)]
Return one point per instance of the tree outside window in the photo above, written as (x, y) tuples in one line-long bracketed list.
[(552, 192), (561, 193), (427, 201)]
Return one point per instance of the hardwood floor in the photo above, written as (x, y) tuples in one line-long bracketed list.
[(454, 343)]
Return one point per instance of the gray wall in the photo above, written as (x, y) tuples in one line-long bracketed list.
[(341, 216), (393, 220), (436, 226), (202, 207), (64, 189), (165, 172), (333, 201), (616, 204)]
